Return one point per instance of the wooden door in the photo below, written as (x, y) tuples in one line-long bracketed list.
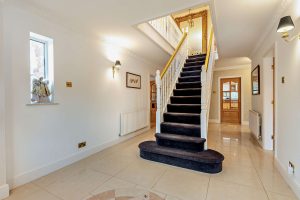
[(153, 103), (230, 89)]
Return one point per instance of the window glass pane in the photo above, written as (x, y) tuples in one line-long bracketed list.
[(226, 95), (234, 96), (226, 86), (226, 105), (234, 86), (37, 59)]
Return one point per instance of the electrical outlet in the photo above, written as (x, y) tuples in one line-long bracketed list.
[(291, 169), (81, 145)]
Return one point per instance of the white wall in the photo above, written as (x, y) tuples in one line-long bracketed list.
[(41, 139), (287, 95), (3, 185)]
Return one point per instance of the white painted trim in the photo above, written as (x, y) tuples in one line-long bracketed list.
[(236, 67), (4, 191), (214, 121), (46, 169), (246, 123), (242, 96), (290, 179)]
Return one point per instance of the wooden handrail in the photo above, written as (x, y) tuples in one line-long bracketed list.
[(173, 56), (209, 49)]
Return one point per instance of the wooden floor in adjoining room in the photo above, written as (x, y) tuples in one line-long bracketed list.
[(249, 173)]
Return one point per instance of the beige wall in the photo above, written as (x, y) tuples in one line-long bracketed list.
[(245, 75)]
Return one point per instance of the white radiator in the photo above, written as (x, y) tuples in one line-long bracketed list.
[(133, 121), (255, 123)]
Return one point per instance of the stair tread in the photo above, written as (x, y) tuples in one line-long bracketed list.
[(195, 96), (180, 138), (187, 77), (192, 71), (186, 83), (207, 156), (181, 124), (176, 104), (183, 89), (181, 114)]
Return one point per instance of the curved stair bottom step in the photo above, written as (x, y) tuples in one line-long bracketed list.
[(151, 151)]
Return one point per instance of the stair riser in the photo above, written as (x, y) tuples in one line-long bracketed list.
[(193, 165), (180, 145), (185, 100), (182, 119), (188, 85), (184, 109), (189, 69), (180, 130), (188, 79), (191, 64), (186, 92), (192, 73)]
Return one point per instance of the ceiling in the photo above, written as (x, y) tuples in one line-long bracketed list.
[(115, 20), (240, 23)]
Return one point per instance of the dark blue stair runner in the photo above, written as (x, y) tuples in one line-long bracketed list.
[(180, 143)]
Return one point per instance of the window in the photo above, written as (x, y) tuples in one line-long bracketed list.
[(41, 69)]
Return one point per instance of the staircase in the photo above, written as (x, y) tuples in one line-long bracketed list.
[(179, 143)]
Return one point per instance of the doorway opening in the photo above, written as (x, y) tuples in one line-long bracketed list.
[(230, 89), (153, 105)]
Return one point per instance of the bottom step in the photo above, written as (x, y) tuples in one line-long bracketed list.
[(208, 161)]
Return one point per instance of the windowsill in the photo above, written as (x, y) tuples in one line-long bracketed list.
[(42, 104)]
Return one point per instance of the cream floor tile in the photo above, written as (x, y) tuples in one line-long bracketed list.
[(275, 196), (37, 195), (240, 175), (229, 191), (274, 182), (23, 191), (142, 172), (183, 184), (113, 183), (172, 198), (112, 164), (78, 186)]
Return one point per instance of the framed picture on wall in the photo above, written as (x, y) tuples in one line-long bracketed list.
[(255, 76), (133, 81)]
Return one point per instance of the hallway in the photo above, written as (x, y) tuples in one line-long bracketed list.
[(249, 173)]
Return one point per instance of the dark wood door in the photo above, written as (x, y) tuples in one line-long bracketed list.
[(230, 100)]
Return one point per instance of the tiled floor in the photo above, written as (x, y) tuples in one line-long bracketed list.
[(249, 173)]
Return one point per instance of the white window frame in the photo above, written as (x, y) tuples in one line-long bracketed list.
[(49, 63)]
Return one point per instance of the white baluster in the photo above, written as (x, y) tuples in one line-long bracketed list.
[(158, 101)]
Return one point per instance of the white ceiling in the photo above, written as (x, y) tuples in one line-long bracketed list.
[(115, 20), (240, 23)]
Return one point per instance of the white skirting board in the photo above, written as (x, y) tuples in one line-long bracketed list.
[(291, 180), (4, 191)]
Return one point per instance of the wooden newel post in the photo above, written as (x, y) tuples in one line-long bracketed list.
[(158, 101)]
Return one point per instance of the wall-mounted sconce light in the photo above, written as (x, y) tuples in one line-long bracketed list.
[(116, 67), (286, 24)]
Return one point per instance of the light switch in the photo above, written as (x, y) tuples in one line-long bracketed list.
[(283, 79)]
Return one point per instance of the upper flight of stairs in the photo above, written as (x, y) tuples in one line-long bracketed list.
[(180, 143)]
